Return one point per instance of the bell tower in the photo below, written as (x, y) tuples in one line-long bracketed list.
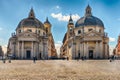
[(70, 27), (47, 26)]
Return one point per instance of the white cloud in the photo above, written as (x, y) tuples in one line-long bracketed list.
[(60, 42), (57, 46), (62, 17), (112, 39)]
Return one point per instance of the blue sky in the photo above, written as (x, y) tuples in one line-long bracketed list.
[(13, 11)]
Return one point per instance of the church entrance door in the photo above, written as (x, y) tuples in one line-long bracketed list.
[(28, 54), (90, 54)]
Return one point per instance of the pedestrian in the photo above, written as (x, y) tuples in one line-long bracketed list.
[(82, 58), (34, 59)]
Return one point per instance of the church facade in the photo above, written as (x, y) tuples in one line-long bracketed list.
[(85, 39), (32, 39)]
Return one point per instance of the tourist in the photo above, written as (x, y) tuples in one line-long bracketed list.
[(34, 59), (82, 58)]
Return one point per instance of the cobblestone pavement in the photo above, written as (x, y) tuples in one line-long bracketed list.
[(60, 70)]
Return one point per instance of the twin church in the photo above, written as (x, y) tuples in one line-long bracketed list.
[(84, 39)]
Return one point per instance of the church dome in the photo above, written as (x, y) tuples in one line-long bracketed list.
[(89, 20), (31, 21)]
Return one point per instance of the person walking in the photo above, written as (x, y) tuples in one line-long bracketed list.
[(34, 59)]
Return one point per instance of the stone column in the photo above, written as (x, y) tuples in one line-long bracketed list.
[(106, 51), (37, 49), (43, 50), (80, 49), (38, 52), (84, 48), (22, 55), (101, 50), (32, 50), (18, 55), (96, 50), (87, 50)]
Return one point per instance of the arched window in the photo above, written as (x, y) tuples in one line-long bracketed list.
[(46, 30), (29, 30), (79, 31), (19, 31), (90, 30)]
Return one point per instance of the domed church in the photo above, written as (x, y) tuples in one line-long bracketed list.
[(85, 39), (32, 39)]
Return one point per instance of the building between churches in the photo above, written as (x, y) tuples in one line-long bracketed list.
[(85, 39), (32, 39), (117, 48)]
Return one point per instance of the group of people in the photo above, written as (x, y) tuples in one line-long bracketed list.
[(112, 58)]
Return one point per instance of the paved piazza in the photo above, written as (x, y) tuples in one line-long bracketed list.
[(60, 70)]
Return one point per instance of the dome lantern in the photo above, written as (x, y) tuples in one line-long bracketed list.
[(88, 11), (31, 13)]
